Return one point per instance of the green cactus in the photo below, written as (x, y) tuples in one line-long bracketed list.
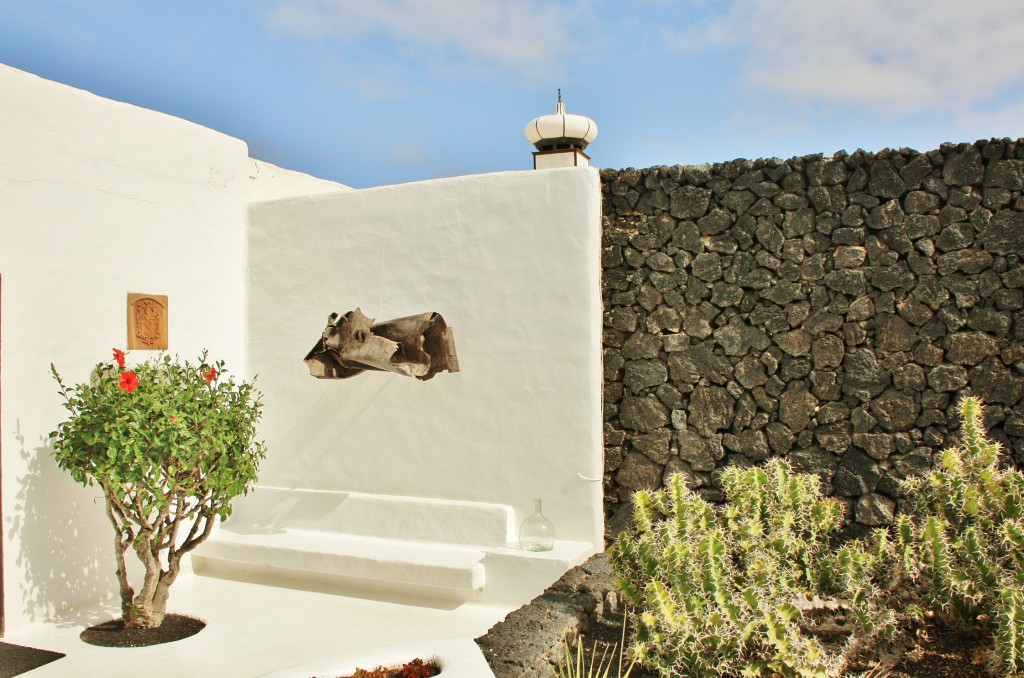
[(969, 527), (725, 591)]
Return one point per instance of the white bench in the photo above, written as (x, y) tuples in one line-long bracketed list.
[(452, 550)]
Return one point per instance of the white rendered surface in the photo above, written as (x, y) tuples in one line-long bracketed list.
[(97, 199), (554, 159), (511, 261), (274, 509), (428, 548), (439, 566), (270, 182), (258, 630)]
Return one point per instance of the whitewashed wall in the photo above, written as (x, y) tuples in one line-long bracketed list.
[(98, 199), (270, 182), (511, 261)]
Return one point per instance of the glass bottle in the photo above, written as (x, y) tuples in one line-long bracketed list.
[(537, 533)]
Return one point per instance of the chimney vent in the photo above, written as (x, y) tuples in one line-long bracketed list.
[(560, 138)]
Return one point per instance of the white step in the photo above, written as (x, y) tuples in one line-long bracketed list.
[(438, 566), (516, 576)]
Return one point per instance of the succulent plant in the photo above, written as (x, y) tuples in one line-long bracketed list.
[(968, 524), (731, 590)]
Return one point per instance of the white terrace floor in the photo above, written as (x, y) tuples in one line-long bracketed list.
[(259, 630)]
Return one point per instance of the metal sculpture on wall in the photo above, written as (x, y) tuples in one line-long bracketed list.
[(416, 346)]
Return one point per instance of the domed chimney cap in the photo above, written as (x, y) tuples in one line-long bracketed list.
[(561, 130)]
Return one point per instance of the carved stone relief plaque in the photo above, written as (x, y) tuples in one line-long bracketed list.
[(147, 322)]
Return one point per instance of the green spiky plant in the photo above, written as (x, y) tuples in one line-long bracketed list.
[(599, 665), (730, 590), (969, 526)]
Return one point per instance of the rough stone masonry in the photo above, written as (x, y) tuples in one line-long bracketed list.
[(827, 310)]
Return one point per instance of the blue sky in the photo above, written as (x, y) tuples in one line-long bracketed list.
[(370, 92)]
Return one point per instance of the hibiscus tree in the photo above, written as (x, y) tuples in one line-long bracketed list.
[(170, 443)]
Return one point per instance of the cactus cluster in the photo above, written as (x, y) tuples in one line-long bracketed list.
[(730, 590), (968, 524), (740, 589)]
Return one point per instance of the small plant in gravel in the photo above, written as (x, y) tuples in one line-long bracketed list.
[(739, 589), (379, 672), (170, 443), (968, 525), (598, 666), (417, 668)]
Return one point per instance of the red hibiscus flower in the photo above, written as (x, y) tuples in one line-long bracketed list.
[(129, 381), (119, 357), (210, 374)]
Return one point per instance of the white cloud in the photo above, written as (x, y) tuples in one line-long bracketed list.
[(378, 81), (1000, 121), (894, 56), (519, 34), (409, 154)]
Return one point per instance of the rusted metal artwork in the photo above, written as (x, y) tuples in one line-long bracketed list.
[(415, 346)]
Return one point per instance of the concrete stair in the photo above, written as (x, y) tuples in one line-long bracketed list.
[(450, 550)]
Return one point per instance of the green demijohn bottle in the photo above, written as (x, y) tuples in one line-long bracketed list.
[(537, 533)]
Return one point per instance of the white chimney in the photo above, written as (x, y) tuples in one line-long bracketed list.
[(560, 138)]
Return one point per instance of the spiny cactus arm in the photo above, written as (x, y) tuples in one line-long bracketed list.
[(678, 492), (648, 553), (742, 489), (660, 602), (981, 452), (827, 515), (915, 487), (934, 554), (853, 563), (1009, 644), (629, 589), (643, 511), (1012, 483), (984, 570), (1012, 533), (971, 420), (712, 553), (880, 543), (625, 558), (905, 545)]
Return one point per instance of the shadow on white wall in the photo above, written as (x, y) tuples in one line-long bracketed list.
[(49, 514)]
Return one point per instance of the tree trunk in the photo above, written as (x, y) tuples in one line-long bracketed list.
[(149, 612), (120, 544), (149, 608), (143, 613)]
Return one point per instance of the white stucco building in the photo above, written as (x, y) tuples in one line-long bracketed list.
[(99, 198)]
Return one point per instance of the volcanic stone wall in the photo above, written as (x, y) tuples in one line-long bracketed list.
[(827, 310)]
